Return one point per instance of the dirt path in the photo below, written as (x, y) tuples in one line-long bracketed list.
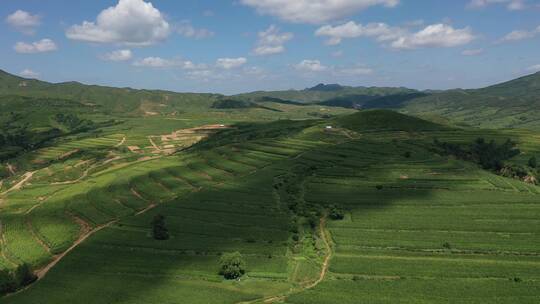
[(83, 176), (150, 207), (41, 201), (138, 195), (121, 142), (153, 143), (87, 232), (11, 169), (36, 236), (326, 262), (42, 272), (322, 274), (26, 177)]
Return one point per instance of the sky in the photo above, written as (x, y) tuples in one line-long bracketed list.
[(233, 46)]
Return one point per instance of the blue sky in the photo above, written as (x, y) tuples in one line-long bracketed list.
[(231, 46)]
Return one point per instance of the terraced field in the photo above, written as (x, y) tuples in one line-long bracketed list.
[(422, 228)]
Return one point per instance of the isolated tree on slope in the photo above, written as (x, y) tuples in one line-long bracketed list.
[(532, 162), (233, 266), (159, 231)]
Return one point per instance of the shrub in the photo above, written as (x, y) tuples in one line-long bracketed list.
[(407, 154), (489, 155), (24, 275), (447, 246), (336, 213), (232, 266), (20, 277), (159, 231), (7, 282), (532, 162), (313, 221), (379, 187)]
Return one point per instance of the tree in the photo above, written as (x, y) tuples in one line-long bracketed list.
[(313, 220), (159, 231), (233, 265), (532, 162), (336, 213), (24, 276), (7, 283)]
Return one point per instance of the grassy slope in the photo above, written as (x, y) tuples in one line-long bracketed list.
[(315, 95), (116, 100), (220, 197), (514, 104)]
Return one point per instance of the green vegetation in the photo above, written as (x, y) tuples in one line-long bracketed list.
[(159, 231), (308, 204), (490, 156), (232, 265), (532, 162), (12, 280)]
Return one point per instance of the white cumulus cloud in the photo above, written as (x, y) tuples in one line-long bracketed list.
[(380, 31), (154, 62), (436, 35), (313, 11), (24, 21), (118, 55), (230, 63), (41, 46), (512, 5), (130, 22), (158, 62), (518, 35), (29, 73), (272, 41), (308, 65)]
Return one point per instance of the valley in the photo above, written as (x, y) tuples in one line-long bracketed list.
[(325, 204)]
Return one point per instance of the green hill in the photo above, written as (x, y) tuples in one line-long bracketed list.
[(370, 120), (316, 216), (513, 104), (116, 100), (322, 93)]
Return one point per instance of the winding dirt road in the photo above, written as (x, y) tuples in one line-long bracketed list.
[(322, 274), (26, 177)]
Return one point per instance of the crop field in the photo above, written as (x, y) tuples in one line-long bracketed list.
[(419, 227), (439, 231)]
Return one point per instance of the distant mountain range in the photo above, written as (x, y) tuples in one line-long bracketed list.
[(514, 103)]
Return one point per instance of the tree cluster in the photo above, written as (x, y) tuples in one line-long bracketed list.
[(73, 123), (232, 265), (159, 231), (336, 213), (11, 281), (489, 155)]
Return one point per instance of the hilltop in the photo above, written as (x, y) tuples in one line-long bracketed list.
[(370, 120), (512, 104)]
